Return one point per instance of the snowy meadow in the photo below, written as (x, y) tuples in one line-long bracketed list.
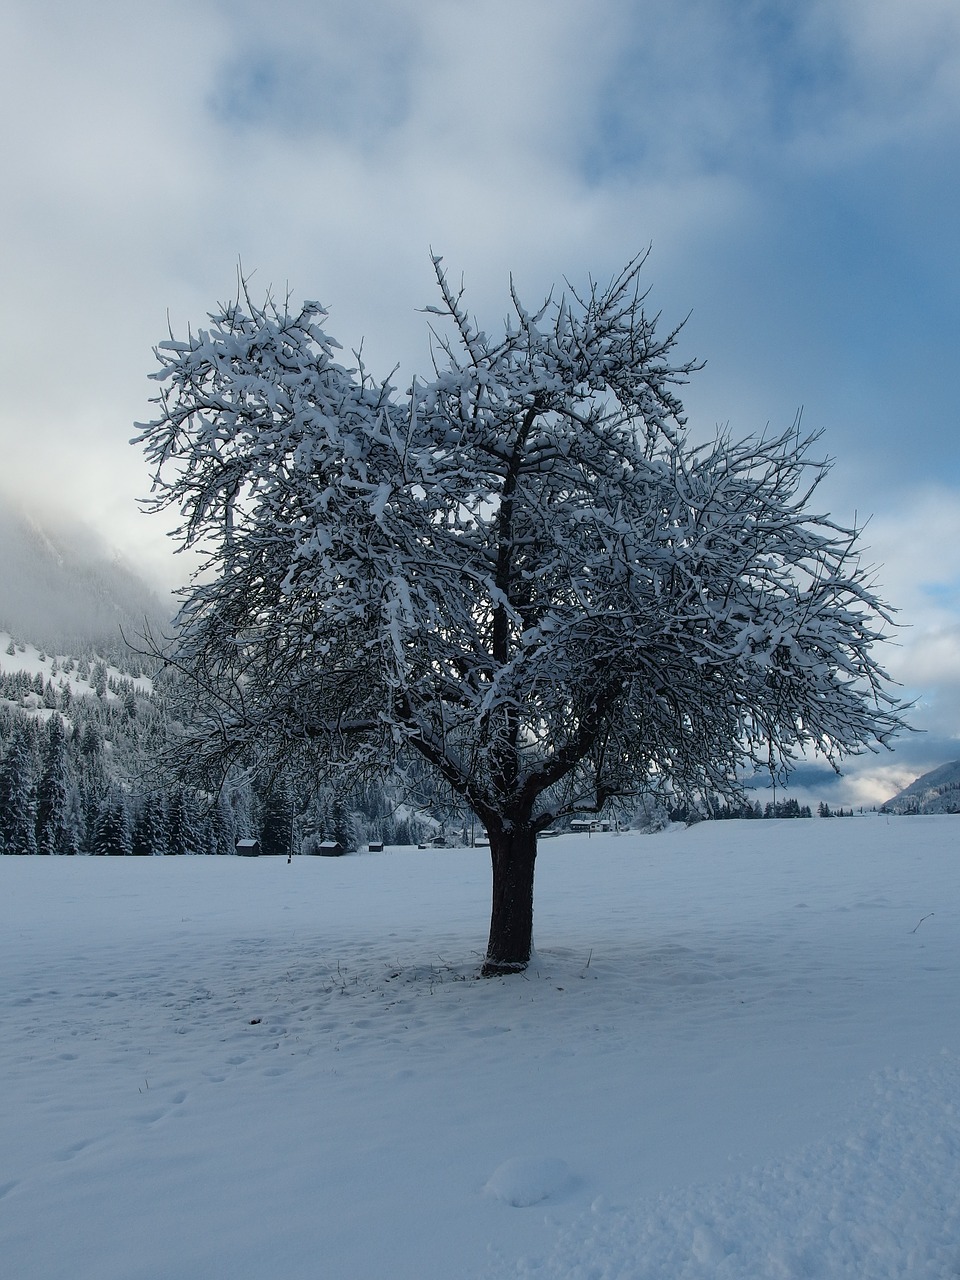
[(736, 1054)]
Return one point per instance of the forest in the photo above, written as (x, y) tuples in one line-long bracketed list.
[(82, 772)]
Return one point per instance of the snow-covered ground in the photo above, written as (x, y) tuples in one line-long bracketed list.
[(737, 1055)]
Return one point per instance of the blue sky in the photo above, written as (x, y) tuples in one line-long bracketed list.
[(795, 169)]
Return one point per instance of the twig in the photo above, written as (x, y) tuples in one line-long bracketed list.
[(921, 920)]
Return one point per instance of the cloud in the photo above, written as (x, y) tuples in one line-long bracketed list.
[(917, 548), (326, 70), (791, 165)]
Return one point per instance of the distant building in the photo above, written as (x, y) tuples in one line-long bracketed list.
[(590, 824), (325, 849)]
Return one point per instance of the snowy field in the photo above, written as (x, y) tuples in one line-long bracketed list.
[(737, 1055)]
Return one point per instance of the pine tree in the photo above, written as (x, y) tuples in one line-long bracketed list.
[(52, 792), (91, 740), (98, 679), (276, 822), (112, 832), (344, 823), (73, 821), (18, 795), (223, 827), (242, 807), (150, 827), (183, 835), (93, 787)]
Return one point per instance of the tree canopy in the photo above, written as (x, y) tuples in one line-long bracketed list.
[(520, 568)]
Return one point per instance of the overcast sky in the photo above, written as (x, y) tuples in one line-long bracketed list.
[(795, 168)]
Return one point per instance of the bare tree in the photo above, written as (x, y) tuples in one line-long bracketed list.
[(519, 568)]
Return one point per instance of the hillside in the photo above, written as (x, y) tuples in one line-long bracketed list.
[(81, 771), (65, 591), (935, 792)]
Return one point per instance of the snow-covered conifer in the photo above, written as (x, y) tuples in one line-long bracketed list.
[(52, 791), (183, 834), (276, 819), (112, 830), (18, 794), (149, 836)]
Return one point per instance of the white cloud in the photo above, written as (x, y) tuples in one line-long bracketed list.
[(331, 145), (918, 549)]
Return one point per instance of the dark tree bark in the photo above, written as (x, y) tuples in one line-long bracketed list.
[(513, 853)]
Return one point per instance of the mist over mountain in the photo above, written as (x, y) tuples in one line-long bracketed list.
[(935, 792), (63, 589)]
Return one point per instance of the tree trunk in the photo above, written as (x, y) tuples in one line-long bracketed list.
[(513, 854)]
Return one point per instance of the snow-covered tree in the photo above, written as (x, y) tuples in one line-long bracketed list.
[(52, 791), (276, 819), (183, 834), (98, 678), (93, 783), (112, 836), (149, 836), (222, 825), (18, 794), (73, 821), (521, 569)]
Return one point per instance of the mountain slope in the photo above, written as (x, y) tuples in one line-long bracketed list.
[(935, 792), (62, 589)]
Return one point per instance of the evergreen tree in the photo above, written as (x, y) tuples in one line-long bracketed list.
[(98, 679), (345, 828), (182, 831), (223, 827), (93, 786), (150, 827), (276, 821), (52, 792), (18, 795), (112, 832), (73, 821), (242, 805)]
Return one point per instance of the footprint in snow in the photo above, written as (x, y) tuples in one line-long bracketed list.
[(522, 1182)]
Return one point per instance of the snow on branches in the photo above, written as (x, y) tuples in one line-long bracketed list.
[(520, 568)]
